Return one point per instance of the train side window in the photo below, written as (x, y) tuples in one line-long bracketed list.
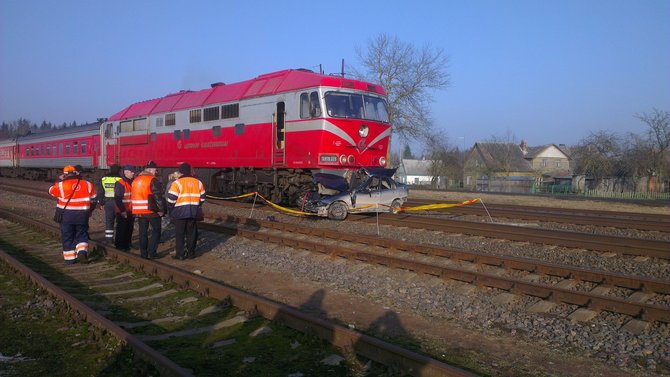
[(83, 147), (152, 137), (187, 133), (140, 124), (216, 131), (54, 149), (48, 149), (42, 150), (239, 129), (230, 111), (159, 122), (37, 151), (75, 147), (170, 119), (212, 113), (126, 126), (195, 116), (60, 149), (67, 148), (177, 134)]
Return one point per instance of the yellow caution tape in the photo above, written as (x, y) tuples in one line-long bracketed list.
[(273, 205), (357, 209), (439, 205)]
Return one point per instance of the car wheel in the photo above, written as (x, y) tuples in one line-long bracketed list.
[(337, 211), (395, 206)]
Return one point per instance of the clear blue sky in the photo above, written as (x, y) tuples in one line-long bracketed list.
[(544, 71)]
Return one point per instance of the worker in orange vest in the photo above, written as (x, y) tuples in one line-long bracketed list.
[(123, 207), (185, 199), (148, 207), (76, 200)]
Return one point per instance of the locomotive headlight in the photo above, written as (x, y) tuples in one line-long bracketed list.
[(351, 160), (343, 160), (363, 131), (382, 161)]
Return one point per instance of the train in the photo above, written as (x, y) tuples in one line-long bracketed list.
[(270, 134)]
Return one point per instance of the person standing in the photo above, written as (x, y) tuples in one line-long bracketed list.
[(148, 207), (185, 198), (76, 199), (123, 207), (105, 191)]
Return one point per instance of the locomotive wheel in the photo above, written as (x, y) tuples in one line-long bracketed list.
[(337, 211)]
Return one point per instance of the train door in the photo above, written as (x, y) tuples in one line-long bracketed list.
[(280, 134), (109, 145)]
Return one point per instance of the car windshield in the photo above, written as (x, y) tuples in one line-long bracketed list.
[(356, 106)]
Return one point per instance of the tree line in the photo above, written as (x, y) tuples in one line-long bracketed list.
[(22, 127)]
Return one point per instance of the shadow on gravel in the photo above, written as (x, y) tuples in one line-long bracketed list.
[(387, 327)]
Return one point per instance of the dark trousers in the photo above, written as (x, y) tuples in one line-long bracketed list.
[(148, 245), (124, 232), (185, 230), (109, 219), (75, 240)]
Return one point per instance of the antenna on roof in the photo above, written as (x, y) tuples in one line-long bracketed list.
[(342, 67)]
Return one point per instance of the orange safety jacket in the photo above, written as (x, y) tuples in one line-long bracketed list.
[(186, 195), (142, 195), (84, 194), (127, 197)]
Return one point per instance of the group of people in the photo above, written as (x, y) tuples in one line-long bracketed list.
[(126, 197)]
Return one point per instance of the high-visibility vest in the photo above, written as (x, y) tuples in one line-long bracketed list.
[(108, 185), (127, 197), (80, 200), (188, 191), (141, 189)]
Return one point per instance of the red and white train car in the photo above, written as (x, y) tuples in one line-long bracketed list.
[(268, 134), (43, 155)]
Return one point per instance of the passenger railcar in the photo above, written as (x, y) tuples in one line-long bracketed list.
[(43, 155), (268, 134)]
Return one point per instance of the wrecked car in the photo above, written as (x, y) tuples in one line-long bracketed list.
[(367, 190)]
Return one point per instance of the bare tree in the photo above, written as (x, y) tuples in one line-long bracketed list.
[(598, 156), (446, 161), (658, 136), (408, 74)]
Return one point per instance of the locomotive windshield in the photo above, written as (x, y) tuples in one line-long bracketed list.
[(357, 106)]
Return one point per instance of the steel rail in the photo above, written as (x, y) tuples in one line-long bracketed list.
[(517, 263), (546, 215), (555, 294), (375, 349), (620, 245), (166, 366)]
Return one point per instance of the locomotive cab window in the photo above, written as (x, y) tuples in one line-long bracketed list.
[(310, 107), (357, 106)]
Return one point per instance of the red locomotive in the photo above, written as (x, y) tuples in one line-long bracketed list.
[(268, 134)]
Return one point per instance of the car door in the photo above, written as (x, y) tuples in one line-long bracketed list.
[(368, 195)]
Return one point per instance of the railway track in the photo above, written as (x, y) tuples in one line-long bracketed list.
[(596, 242), (623, 220), (190, 319), (332, 243)]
